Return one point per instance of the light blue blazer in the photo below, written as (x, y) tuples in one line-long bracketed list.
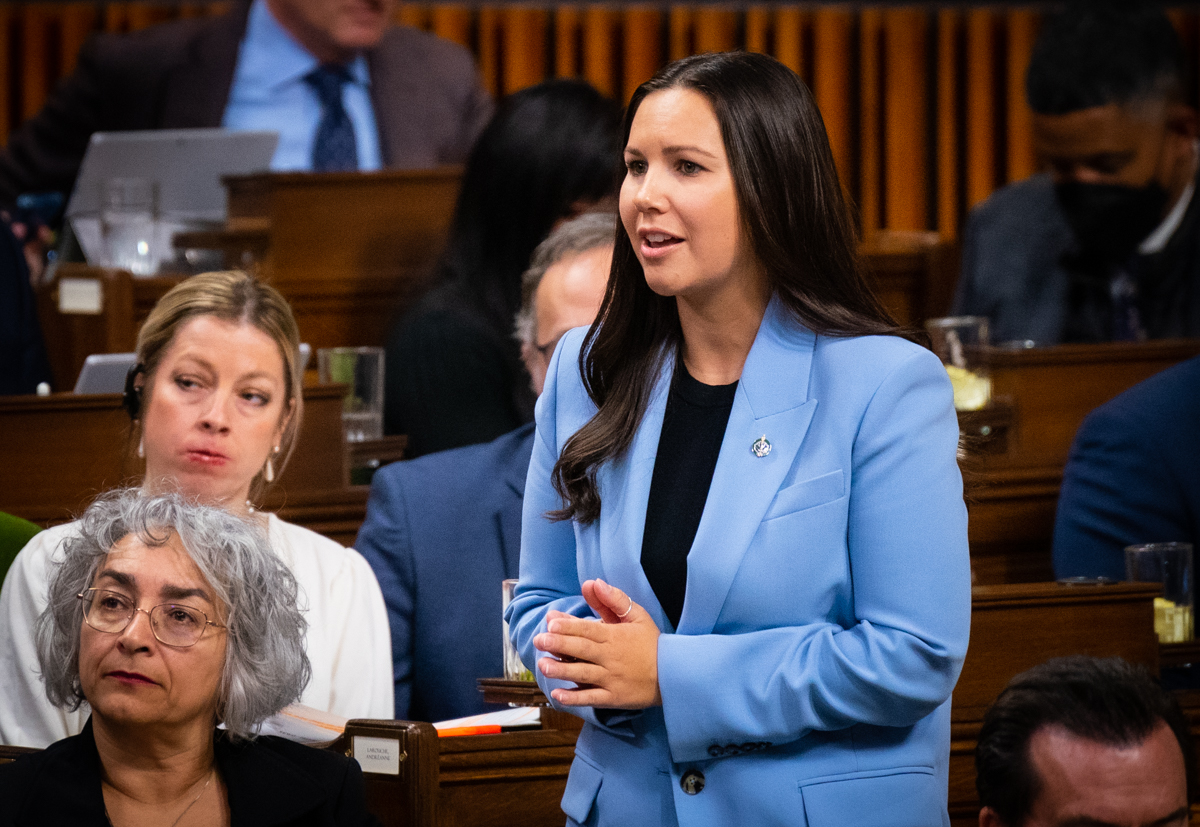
[(828, 594)]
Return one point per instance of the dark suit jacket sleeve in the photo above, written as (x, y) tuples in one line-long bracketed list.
[(1117, 490), (173, 75), (45, 153), (429, 103), (475, 110), (385, 540), (469, 104)]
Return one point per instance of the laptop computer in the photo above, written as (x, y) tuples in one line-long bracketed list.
[(186, 164), (104, 372)]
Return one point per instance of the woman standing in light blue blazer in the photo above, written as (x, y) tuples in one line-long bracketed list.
[(744, 554)]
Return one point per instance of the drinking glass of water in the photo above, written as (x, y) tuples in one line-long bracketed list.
[(1171, 565), (361, 368), (128, 225)]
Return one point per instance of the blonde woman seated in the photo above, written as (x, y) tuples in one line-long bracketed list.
[(168, 618), (217, 404)]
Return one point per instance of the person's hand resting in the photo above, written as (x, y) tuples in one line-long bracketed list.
[(614, 663)]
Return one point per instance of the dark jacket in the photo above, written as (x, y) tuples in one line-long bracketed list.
[(428, 103), (1132, 476), (271, 782), (441, 533), (1021, 268)]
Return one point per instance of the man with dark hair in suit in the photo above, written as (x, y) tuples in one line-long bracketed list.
[(344, 87), (1106, 245), (1084, 741), (444, 530)]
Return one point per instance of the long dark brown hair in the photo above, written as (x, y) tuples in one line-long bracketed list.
[(800, 229)]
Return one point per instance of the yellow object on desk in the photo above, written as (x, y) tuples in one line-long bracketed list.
[(1172, 622), (972, 391)]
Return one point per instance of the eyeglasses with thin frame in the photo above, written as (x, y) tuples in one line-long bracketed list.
[(172, 623)]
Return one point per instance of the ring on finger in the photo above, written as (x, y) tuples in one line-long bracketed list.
[(627, 611)]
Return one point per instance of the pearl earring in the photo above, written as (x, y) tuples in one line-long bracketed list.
[(270, 472), (141, 448)]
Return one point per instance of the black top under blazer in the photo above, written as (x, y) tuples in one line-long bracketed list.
[(271, 782)]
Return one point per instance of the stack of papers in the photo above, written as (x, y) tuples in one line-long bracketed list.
[(505, 720), (305, 725)]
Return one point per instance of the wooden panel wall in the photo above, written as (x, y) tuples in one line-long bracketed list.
[(924, 103)]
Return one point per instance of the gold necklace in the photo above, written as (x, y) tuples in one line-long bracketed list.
[(197, 798), (185, 809)]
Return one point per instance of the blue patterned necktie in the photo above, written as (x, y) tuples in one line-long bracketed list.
[(333, 146)]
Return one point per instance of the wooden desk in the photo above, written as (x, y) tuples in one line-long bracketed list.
[(73, 329), (347, 250), (60, 451), (515, 779), (1014, 473), (518, 778)]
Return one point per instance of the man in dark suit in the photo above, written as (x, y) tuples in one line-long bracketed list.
[(444, 530), (1132, 476), (403, 98), (1106, 245)]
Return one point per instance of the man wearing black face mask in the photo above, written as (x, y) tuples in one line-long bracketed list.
[(1106, 245)]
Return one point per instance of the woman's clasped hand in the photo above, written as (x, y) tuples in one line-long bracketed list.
[(615, 662)]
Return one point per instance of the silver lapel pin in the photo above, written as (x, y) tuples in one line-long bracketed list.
[(761, 446)]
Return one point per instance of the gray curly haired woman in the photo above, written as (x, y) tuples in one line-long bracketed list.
[(167, 618)]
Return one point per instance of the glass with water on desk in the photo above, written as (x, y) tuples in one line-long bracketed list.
[(129, 225), (361, 368), (961, 343), (1171, 565), (514, 669)]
